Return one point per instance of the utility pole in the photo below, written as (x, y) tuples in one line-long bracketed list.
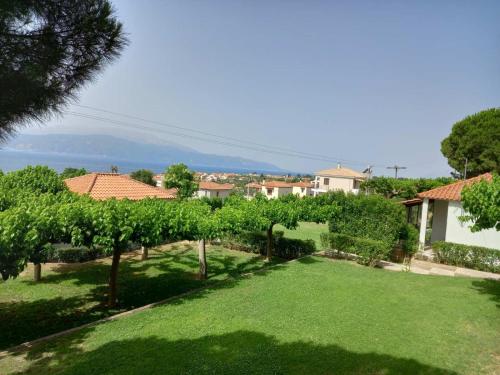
[(396, 169)]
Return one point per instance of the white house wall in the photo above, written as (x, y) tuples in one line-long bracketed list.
[(459, 232)]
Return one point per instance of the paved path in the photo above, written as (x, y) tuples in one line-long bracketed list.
[(428, 268)]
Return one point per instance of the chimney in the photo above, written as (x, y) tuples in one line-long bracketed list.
[(339, 166)]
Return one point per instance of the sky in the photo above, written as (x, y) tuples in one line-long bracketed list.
[(362, 83)]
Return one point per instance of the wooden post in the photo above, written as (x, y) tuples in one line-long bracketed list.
[(144, 253), (113, 278), (269, 254), (202, 257), (38, 272)]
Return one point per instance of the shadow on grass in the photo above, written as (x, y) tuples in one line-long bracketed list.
[(490, 287), (239, 352), (164, 275)]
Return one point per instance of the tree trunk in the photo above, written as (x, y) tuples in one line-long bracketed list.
[(38, 272), (144, 253), (269, 243), (202, 257), (113, 278)]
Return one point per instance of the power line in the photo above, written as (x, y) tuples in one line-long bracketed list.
[(232, 139), (189, 136)]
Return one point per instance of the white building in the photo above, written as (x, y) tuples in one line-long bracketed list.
[(302, 189), (275, 189), (444, 207), (337, 179), (213, 190)]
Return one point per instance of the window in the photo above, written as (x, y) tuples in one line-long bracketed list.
[(270, 191), (302, 189), (217, 194), (326, 181)]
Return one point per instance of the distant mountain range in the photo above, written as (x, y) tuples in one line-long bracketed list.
[(98, 152)]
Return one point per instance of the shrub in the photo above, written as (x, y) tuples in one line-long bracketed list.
[(255, 242), (479, 258), (368, 251), (371, 217), (74, 254), (409, 239)]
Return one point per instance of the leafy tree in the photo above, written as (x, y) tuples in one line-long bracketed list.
[(402, 188), (149, 230), (48, 50), (477, 139), (72, 172), (38, 179), (144, 175), (481, 201), (180, 177)]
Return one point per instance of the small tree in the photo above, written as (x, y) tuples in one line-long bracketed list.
[(481, 201), (180, 177), (72, 172), (474, 140), (144, 175), (38, 179)]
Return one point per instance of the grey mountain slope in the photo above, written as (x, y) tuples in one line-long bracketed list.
[(114, 148)]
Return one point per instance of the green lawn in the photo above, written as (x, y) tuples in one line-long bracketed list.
[(305, 231), (70, 295), (312, 316)]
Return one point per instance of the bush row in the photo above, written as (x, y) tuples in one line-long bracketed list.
[(73, 254), (368, 252), (255, 242), (479, 258)]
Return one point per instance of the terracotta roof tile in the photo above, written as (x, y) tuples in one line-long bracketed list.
[(253, 185), (302, 184), (208, 185), (452, 191), (277, 184), (102, 186)]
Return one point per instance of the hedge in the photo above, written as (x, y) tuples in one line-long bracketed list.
[(372, 217), (73, 254), (368, 251), (256, 242), (475, 257)]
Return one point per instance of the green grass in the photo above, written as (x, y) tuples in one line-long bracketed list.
[(312, 316), (70, 295), (306, 231)]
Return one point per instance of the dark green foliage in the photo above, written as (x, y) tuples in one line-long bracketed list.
[(371, 217), (409, 239), (369, 252), (72, 172), (481, 201), (74, 254), (48, 50), (402, 188), (256, 242), (180, 177), (38, 179), (476, 257), (144, 175), (476, 138)]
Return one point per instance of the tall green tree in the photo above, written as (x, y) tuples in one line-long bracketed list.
[(475, 139), (481, 201), (180, 177), (37, 179), (48, 50), (72, 172), (144, 175)]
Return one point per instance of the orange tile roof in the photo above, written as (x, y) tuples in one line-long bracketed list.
[(277, 184), (452, 191), (208, 185), (253, 185), (102, 186), (302, 184)]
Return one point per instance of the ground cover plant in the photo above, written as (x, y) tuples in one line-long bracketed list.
[(70, 295), (308, 316)]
